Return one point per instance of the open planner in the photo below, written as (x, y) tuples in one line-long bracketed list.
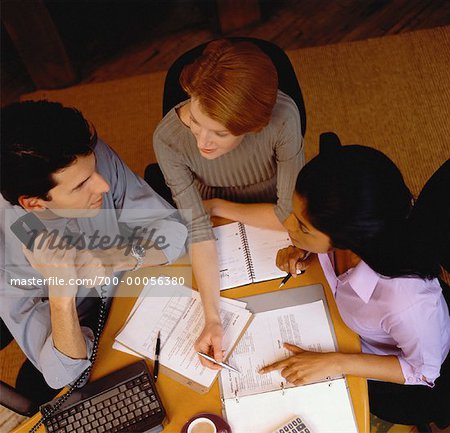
[(254, 403), (247, 254), (176, 311)]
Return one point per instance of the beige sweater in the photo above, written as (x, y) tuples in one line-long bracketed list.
[(262, 169)]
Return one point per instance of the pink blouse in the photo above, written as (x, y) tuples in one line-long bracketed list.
[(404, 316)]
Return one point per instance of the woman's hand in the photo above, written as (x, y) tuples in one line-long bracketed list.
[(212, 206), (210, 343), (305, 367), (292, 260)]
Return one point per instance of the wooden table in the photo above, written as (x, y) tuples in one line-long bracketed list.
[(181, 402)]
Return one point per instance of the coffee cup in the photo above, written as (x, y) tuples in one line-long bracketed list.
[(202, 425)]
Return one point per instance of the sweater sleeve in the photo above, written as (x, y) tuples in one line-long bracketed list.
[(181, 181), (290, 157)]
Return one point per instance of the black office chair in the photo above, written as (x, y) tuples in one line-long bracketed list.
[(287, 80), (9, 396), (31, 390), (174, 94)]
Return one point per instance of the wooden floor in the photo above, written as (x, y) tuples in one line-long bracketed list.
[(106, 41)]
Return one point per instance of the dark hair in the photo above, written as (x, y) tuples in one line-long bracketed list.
[(357, 196), (38, 139)]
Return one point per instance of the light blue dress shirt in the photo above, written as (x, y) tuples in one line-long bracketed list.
[(24, 308)]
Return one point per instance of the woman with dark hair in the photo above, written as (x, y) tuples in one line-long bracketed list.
[(232, 150), (353, 200)]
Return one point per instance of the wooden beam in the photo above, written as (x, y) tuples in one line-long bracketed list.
[(38, 43)]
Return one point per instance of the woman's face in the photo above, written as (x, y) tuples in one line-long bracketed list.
[(302, 232), (213, 139)]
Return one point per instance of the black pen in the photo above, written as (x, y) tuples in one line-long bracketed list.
[(157, 351), (299, 272)]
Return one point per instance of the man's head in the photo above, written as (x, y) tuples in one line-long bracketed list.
[(47, 158)]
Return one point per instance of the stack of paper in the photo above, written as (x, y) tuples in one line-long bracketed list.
[(177, 313)]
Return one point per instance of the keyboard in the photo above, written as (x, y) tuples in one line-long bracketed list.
[(123, 401), (294, 425)]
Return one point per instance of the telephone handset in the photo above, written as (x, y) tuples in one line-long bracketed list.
[(27, 228)]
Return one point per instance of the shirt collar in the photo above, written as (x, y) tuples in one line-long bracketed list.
[(362, 280)]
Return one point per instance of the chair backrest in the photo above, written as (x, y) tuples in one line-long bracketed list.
[(9, 396), (432, 210), (287, 80), (13, 400)]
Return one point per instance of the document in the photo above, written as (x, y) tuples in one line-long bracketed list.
[(304, 325), (178, 315), (325, 407), (254, 403)]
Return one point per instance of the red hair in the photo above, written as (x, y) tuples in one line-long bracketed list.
[(235, 83)]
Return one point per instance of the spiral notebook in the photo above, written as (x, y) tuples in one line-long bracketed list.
[(247, 254)]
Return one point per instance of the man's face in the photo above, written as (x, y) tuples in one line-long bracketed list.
[(79, 190)]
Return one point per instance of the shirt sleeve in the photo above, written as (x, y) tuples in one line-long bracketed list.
[(28, 320), (290, 157), (417, 333), (180, 179), (138, 205)]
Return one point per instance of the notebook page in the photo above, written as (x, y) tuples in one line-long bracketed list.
[(232, 265), (180, 319), (325, 407), (264, 245), (304, 325)]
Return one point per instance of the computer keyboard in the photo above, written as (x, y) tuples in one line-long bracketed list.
[(123, 401)]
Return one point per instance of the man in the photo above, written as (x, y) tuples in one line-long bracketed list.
[(100, 219)]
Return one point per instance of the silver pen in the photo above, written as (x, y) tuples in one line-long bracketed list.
[(222, 364)]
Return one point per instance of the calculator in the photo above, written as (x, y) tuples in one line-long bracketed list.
[(294, 425)]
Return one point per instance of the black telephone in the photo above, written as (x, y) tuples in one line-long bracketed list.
[(27, 228)]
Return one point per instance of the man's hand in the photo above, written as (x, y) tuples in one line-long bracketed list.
[(305, 367), (210, 343), (292, 259), (53, 258), (92, 264)]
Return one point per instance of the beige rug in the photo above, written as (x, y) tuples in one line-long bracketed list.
[(391, 93)]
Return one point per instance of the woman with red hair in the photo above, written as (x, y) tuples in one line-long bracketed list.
[(232, 150)]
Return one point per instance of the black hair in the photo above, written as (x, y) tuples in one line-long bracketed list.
[(357, 196), (38, 138)]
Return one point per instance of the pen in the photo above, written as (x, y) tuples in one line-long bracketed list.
[(157, 351), (299, 272), (222, 364)]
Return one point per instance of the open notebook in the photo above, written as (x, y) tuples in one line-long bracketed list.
[(247, 254), (254, 403)]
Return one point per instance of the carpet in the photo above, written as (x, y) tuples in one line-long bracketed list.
[(391, 93)]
